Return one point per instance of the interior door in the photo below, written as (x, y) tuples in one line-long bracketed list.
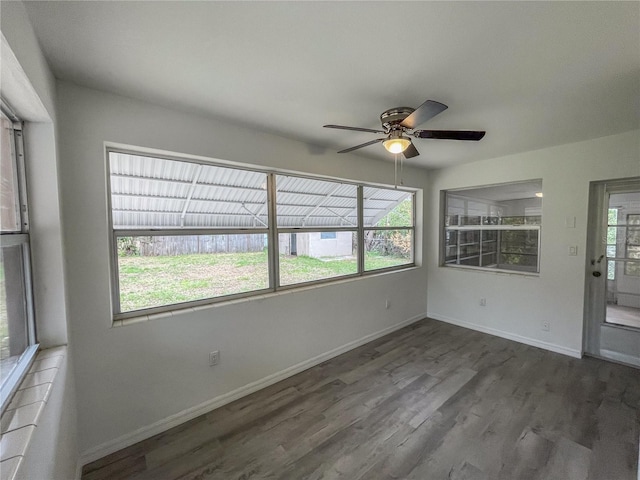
[(612, 305)]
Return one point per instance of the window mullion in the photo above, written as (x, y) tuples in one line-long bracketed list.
[(273, 247), (360, 243)]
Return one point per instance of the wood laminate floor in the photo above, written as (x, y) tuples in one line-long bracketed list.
[(430, 401)]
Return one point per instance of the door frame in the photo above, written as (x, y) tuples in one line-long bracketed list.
[(595, 301)]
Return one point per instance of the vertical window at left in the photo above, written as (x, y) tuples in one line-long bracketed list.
[(17, 327)]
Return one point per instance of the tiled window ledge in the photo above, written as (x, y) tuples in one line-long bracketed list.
[(20, 419)]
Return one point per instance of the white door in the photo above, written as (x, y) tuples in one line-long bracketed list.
[(612, 306)]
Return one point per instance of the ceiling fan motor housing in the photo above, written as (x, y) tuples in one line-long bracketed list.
[(391, 118)]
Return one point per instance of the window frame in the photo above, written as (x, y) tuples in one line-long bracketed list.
[(482, 227), (272, 230), (20, 238)]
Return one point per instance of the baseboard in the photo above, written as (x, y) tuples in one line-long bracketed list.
[(509, 336), (148, 431)]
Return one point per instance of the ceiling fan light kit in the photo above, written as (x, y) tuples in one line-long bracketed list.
[(396, 122), (396, 143)]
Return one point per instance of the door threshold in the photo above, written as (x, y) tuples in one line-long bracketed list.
[(612, 358)]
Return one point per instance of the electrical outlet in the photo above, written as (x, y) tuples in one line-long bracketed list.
[(546, 326), (214, 358), (483, 302)]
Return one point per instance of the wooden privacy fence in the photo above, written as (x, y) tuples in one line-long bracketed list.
[(190, 244)]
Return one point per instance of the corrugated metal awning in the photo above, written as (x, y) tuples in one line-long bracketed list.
[(159, 193)]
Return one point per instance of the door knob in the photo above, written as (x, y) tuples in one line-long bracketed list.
[(596, 274)]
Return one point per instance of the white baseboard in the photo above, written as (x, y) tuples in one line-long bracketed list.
[(509, 336), (148, 431)]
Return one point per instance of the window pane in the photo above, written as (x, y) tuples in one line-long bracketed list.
[(507, 205), (387, 248), (633, 235), (514, 203), (611, 265), (632, 268), (470, 260), (149, 192), (14, 336), (519, 250), (385, 207), (633, 219), (164, 270), (307, 202), (489, 248), (307, 257), (9, 198), (611, 270), (622, 234), (521, 220), (470, 220)]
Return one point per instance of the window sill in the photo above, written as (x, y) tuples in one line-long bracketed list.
[(495, 271), (20, 419), (288, 290)]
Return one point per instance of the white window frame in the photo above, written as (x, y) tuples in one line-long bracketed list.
[(485, 224), (272, 231), (410, 229), (20, 238)]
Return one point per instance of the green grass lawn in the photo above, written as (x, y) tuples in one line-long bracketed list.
[(154, 281)]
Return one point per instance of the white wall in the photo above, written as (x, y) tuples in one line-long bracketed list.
[(132, 379), (517, 305), (29, 86)]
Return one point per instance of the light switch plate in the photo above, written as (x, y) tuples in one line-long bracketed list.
[(570, 222)]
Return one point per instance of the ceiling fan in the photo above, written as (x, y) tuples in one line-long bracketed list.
[(399, 122)]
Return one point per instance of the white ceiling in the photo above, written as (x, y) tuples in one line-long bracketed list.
[(532, 74)]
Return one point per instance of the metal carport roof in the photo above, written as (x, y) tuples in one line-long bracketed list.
[(157, 193)]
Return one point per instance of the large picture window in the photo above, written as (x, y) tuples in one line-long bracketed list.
[(17, 326), (494, 227), (187, 233)]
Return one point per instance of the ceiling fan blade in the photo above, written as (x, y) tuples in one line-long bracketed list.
[(377, 140), (450, 134), (357, 129), (424, 112), (411, 151)]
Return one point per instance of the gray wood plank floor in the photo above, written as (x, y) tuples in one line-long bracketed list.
[(430, 401)]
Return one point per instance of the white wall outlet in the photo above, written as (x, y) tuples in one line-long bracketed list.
[(214, 358), (483, 302), (546, 325), (387, 304)]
